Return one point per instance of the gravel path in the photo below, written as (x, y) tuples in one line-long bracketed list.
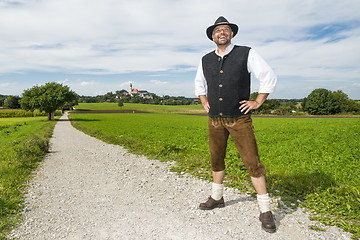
[(87, 189)]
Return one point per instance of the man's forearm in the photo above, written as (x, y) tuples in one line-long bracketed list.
[(204, 102), (261, 97), (203, 99)]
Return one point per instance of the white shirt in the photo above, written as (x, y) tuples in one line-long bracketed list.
[(255, 64)]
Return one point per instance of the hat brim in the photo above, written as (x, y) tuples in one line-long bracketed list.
[(209, 30)]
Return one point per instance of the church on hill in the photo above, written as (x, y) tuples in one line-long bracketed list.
[(141, 93)]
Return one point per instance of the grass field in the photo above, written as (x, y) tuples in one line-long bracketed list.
[(314, 160), (19, 120), (143, 107), (24, 142)]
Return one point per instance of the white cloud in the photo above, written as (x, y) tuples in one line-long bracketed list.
[(63, 81), (124, 84), (3, 85), (157, 82), (89, 83)]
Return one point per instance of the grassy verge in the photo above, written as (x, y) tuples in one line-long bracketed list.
[(24, 142), (311, 160)]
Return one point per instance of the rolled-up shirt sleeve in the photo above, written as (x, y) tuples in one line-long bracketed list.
[(262, 71), (200, 82)]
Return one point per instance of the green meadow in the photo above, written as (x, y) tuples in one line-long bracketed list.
[(311, 162), (24, 142), (194, 109)]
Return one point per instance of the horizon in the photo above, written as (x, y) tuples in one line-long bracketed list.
[(99, 47)]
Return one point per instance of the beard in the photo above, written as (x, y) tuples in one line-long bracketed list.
[(223, 40)]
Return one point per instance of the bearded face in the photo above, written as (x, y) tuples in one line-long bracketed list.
[(222, 35)]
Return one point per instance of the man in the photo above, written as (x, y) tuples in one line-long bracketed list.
[(225, 74)]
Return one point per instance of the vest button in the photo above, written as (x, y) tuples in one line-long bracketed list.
[(220, 99), (220, 85), (219, 59), (221, 71)]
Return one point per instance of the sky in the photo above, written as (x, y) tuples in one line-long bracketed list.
[(100, 46)]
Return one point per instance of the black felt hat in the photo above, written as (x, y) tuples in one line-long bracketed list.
[(221, 21)]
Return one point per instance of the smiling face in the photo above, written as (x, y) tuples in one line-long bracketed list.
[(222, 35)]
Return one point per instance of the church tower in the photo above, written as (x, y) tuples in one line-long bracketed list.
[(131, 89)]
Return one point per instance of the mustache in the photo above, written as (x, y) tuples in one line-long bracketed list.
[(222, 35)]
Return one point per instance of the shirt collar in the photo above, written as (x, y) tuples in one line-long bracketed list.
[(227, 50)]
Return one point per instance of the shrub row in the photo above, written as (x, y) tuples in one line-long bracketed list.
[(7, 113)]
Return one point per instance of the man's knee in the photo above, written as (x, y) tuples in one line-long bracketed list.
[(256, 170)]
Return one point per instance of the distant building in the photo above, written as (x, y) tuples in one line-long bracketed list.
[(196, 101), (135, 92), (121, 94)]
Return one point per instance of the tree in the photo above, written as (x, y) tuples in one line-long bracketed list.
[(321, 102), (284, 109), (48, 98), (2, 99), (12, 102), (69, 105), (342, 98), (346, 104), (352, 106), (253, 96), (267, 107), (120, 102), (109, 97)]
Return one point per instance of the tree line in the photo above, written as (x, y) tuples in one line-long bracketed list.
[(53, 96), (122, 96), (319, 102)]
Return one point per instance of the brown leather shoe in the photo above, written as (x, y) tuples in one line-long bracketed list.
[(211, 204), (268, 221)]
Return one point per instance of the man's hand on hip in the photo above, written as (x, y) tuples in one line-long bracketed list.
[(247, 106)]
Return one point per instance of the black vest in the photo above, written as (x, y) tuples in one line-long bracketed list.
[(228, 81)]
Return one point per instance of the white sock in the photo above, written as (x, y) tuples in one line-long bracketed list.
[(264, 202), (217, 191)]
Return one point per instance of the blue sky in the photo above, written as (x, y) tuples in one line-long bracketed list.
[(96, 47)]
